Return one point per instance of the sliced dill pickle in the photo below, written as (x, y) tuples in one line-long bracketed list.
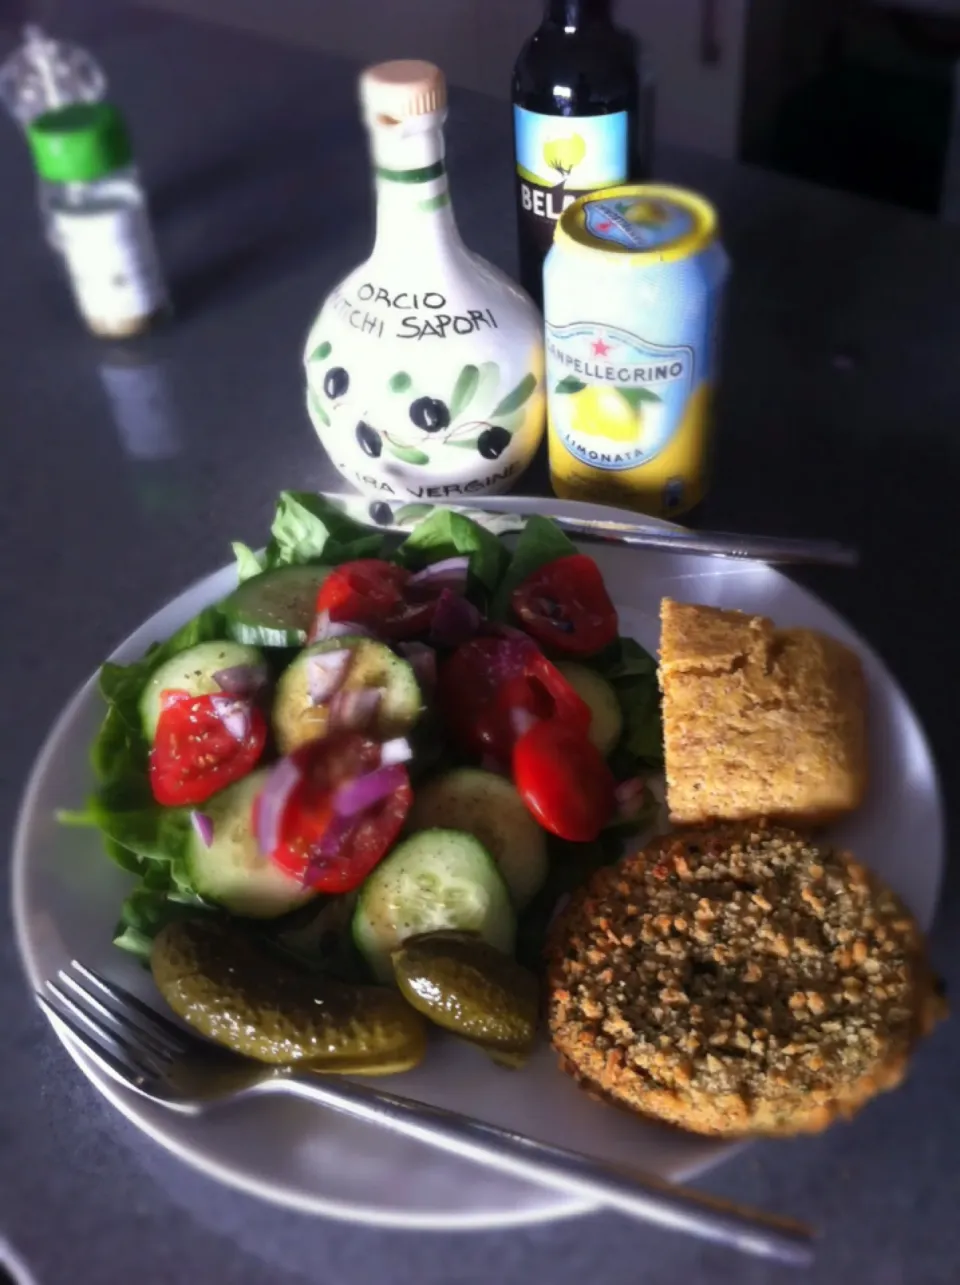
[(234, 991), (467, 986)]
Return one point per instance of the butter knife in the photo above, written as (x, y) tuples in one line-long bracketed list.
[(503, 514)]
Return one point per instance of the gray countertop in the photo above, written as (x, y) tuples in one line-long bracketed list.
[(840, 414)]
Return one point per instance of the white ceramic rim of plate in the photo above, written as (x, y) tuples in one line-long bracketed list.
[(126, 1101)]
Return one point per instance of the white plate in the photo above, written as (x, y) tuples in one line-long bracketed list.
[(67, 894)]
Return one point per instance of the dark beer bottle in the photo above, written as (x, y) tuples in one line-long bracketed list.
[(576, 120)]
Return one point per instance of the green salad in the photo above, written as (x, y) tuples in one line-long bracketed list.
[(371, 739)]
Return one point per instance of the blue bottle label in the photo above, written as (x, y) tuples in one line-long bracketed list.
[(560, 158)]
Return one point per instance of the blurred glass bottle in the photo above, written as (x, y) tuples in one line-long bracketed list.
[(98, 211), (43, 75)]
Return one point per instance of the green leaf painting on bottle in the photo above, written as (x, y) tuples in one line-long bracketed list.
[(515, 399), (463, 390), (409, 454), (317, 409)]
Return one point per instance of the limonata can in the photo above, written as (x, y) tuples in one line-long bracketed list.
[(633, 287)]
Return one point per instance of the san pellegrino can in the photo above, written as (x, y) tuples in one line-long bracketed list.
[(633, 287)]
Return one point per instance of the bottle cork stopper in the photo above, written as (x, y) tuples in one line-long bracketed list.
[(394, 91)]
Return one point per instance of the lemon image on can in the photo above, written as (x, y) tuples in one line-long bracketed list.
[(616, 414), (602, 412), (632, 293)]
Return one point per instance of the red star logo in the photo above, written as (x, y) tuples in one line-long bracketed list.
[(600, 349)]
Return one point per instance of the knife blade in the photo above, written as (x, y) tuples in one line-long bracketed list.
[(505, 514)]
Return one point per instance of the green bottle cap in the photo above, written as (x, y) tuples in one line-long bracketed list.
[(79, 143)]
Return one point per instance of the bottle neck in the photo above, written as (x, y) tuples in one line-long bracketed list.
[(414, 214), (574, 14)]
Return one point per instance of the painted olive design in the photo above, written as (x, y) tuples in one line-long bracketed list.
[(336, 382), (381, 513), (430, 414), (371, 443), (492, 442)]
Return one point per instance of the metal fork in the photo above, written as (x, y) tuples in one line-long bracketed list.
[(164, 1062)]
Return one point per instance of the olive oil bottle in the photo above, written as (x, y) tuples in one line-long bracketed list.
[(424, 366), (580, 120)]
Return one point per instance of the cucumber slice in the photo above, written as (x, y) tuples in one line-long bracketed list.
[(434, 880), (488, 807), (233, 872), (606, 719), (275, 609), (192, 671), (296, 719)]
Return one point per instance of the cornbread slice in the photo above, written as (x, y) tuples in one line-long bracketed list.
[(736, 982), (758, 721)]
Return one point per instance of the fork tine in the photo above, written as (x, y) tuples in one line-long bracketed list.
[(143, 1015), (118, 1020), (118, 1067), (136, 1055)]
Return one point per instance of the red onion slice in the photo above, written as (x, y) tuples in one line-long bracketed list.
[(423, 661), (241, 680), (323, 628), (521, 720), (630, 789), (203, 826), (234, 715), (272, 802), (494, 629), (490, 763), (631, 797), (326, 673), (455, 621), (361, 794), (397, 750), (514, 651), (326, 855), (449, 573), (561, 904), (355, 709)]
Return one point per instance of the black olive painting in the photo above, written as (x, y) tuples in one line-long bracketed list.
[(423, 420)]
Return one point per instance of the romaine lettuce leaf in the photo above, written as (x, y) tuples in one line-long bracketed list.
[(632, 672), (540, 542), (445, 534), (122, 805), (148, 909), (308, 528), (249, 564)]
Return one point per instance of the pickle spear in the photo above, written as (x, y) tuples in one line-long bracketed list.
[(234, 991)]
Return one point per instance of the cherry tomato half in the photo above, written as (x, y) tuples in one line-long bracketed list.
[(358, 842), (565, 605), (373, 593), (202, 744), (488, 681), (564, 781)]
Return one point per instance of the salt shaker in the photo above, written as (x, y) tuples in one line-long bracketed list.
[(42, 75), (99, 217)]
